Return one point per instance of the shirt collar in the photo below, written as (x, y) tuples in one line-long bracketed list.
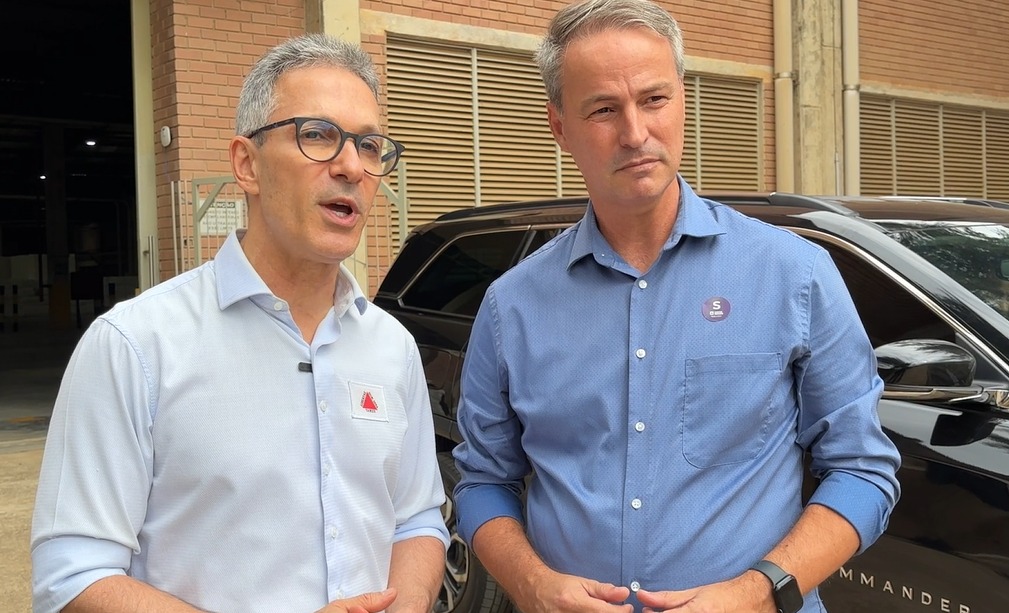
[(238, 280), (694, 217)]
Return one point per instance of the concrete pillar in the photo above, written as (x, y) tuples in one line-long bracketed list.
[(144, 130), (56, 226), (819, 146)]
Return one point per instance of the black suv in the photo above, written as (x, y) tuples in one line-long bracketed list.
[(930, 281)]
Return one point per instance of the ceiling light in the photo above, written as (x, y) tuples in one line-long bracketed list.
[(90, 143), (43, 177)]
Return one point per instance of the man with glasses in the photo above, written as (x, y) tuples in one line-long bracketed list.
[(254, 435)]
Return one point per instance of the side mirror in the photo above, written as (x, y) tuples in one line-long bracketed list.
[(1003, 269), (925, 362)]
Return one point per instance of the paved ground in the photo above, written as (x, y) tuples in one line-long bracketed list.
[(31, 365), (19, 470)]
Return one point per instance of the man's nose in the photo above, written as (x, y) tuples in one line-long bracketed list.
[(347, 163), (635, 129)]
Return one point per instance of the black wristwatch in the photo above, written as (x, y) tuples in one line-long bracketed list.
[(787, 597)]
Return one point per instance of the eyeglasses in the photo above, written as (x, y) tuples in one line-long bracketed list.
[(321, 141)]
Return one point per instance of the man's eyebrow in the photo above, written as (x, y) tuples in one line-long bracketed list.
[(594, 100), (368, 128), (603, 98)]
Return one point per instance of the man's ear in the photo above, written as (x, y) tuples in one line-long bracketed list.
[(554, 119), (244, 164)]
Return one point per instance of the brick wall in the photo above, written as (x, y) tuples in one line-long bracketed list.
[(201, 51), (956, 46), (738, 30)]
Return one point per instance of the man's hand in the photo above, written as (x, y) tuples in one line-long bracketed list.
[(747, 593), (372, 602), (556, 592)]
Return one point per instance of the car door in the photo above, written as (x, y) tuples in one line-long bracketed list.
[(947, 544)]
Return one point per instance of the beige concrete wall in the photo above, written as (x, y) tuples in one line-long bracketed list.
[(818, 134)]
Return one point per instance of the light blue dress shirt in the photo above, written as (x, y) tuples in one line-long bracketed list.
[(187, 449), (664, 415)]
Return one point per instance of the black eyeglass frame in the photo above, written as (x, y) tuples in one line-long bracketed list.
[(398, 147)]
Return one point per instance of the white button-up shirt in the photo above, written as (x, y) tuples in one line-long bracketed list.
[(188, 449)]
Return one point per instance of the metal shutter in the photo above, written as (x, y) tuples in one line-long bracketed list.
[(518, 155), (997, 156), (917, 142), (877, 163), (722, 134), (962, 140), (475, 127), (920, 148), (690, 164), (430, 106)]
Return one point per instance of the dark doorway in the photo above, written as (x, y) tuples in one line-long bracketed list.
[(66, 105)]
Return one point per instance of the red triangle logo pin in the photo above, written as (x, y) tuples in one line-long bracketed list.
[(368, 402)]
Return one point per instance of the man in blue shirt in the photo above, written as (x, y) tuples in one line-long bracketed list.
[(658, 371)]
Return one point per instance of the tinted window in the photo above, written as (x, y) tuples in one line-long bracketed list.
[(456, 280), (542, 237), (975, 255), (889, 312), (417, 249)]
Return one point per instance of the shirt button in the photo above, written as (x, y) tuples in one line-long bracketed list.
[(332, 532), (323, 406), (339, 594), (636, 504), (642, 284), (278, 306), (325, 470), (640, 426), (640, 353), (635, 586)]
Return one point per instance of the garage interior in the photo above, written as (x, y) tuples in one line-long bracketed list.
[(67, 184)]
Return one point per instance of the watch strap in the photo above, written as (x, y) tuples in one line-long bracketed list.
[(784, 588), (770, 570)]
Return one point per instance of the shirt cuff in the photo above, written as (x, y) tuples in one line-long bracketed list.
[(65, 566), (858, 501), (425, 523), (478, 504)]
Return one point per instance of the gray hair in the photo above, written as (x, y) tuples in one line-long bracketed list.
[(258, 98), (589, 17)]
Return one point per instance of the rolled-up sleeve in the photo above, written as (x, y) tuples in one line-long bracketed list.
[(420, 492), (839, 391), (96, 470), (491, 459)]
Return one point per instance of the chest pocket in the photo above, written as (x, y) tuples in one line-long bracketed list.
[(727, 407)]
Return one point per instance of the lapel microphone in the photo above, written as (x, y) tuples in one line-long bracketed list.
[(304, 367)]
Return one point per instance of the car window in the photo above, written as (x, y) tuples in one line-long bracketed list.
[(457, 279), (888, 311), (975, 255), (541, 237)]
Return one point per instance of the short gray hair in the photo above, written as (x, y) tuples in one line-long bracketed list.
[(258, 98), (589, 17)]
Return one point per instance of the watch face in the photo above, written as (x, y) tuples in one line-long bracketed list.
[(787, 596)]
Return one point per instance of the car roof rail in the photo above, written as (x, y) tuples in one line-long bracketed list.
[(509, 207), (816, 203), (1001, 204)]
